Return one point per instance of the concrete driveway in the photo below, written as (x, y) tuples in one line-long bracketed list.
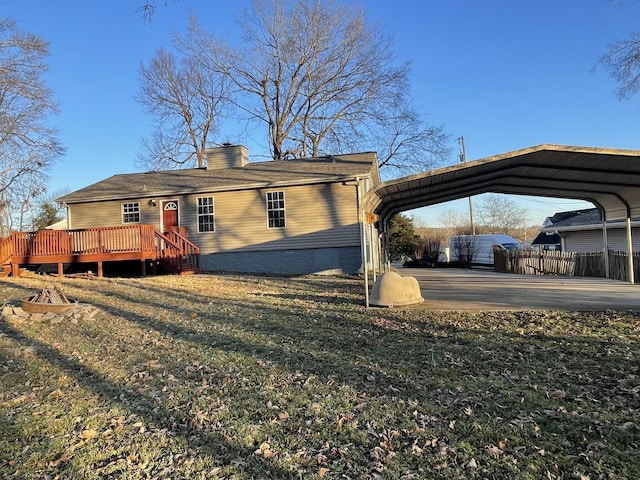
[(462, 289)]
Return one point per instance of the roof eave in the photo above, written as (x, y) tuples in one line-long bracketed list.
[(234, 188)]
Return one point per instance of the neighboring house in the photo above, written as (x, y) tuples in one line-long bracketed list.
[(283, 217), (582, 231), (59, 225), (547, 241)]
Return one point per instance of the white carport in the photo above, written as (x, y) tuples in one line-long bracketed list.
[(609, 178)]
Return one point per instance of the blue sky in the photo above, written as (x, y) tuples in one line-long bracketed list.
[(504, 74)]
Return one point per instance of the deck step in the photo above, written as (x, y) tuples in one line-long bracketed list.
[(5, 270), (188, 271), (173, 266)]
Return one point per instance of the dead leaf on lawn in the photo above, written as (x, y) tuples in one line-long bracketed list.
[(265, 450), (492, 449), (88, 434), (60, 460)]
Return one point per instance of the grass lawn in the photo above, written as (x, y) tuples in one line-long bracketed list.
[(261, 378)]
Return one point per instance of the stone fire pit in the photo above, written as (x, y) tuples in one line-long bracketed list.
[(50, 299)]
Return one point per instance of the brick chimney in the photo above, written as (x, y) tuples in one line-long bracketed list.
[(226, 156)]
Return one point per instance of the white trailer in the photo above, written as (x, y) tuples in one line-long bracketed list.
[(478, 249)]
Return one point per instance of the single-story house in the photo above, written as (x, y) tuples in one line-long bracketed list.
[(582, 231), (295, 216)]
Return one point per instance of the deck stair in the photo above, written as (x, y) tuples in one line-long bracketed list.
[(5, 270), (178, 254)]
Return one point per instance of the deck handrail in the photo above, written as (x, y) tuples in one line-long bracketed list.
[(189, 249), (165, 247), (6, 250), (96, 240)]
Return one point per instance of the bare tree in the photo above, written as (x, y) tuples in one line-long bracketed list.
[(147, 9), (28, 145), (17, 203), (320, 80), (407, 146), (455, 222), (463, 249), (622, 61), (185, 99), (498, 213)]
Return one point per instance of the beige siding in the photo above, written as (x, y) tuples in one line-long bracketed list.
[(109, 214), (592, 241), (323, 215), (316, 216)]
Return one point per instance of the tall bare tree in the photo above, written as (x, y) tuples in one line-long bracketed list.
[(320, 80), (28, 144), (185, 100)]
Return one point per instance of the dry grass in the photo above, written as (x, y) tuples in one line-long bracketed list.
[(248, 378)]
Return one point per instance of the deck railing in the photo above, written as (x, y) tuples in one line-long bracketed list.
[(6, 250), (141, 241), (124, 238)]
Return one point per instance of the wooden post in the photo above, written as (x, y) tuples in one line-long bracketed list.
[(99, 269), (143, 268), (60, 269)]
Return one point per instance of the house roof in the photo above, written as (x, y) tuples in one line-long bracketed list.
[(589, 216), (608, 178), (546, 238), (560, 216), (270, 174), (588, 219)]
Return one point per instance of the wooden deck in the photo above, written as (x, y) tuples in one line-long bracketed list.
[(171, 250)]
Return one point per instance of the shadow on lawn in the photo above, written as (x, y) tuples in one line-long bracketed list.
[(377, 351), (154, 415)]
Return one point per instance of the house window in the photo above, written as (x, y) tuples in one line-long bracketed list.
[(131, 212), (275, 210), (206, 215)]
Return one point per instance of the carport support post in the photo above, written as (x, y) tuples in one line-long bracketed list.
[(363, 249), (630, 273), (605, 243), (371, 254)]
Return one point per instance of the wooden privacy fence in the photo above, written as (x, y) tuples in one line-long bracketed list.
[(577, 264)]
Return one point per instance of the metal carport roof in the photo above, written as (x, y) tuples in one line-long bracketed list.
[(609, 178)]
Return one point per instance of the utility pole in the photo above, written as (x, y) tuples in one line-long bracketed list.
[(463, 159)]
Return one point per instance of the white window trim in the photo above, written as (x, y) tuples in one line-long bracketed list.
[(283, 209), (123, 213), (198, 214)]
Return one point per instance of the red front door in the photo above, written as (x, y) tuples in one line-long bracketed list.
[(169, 215)]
